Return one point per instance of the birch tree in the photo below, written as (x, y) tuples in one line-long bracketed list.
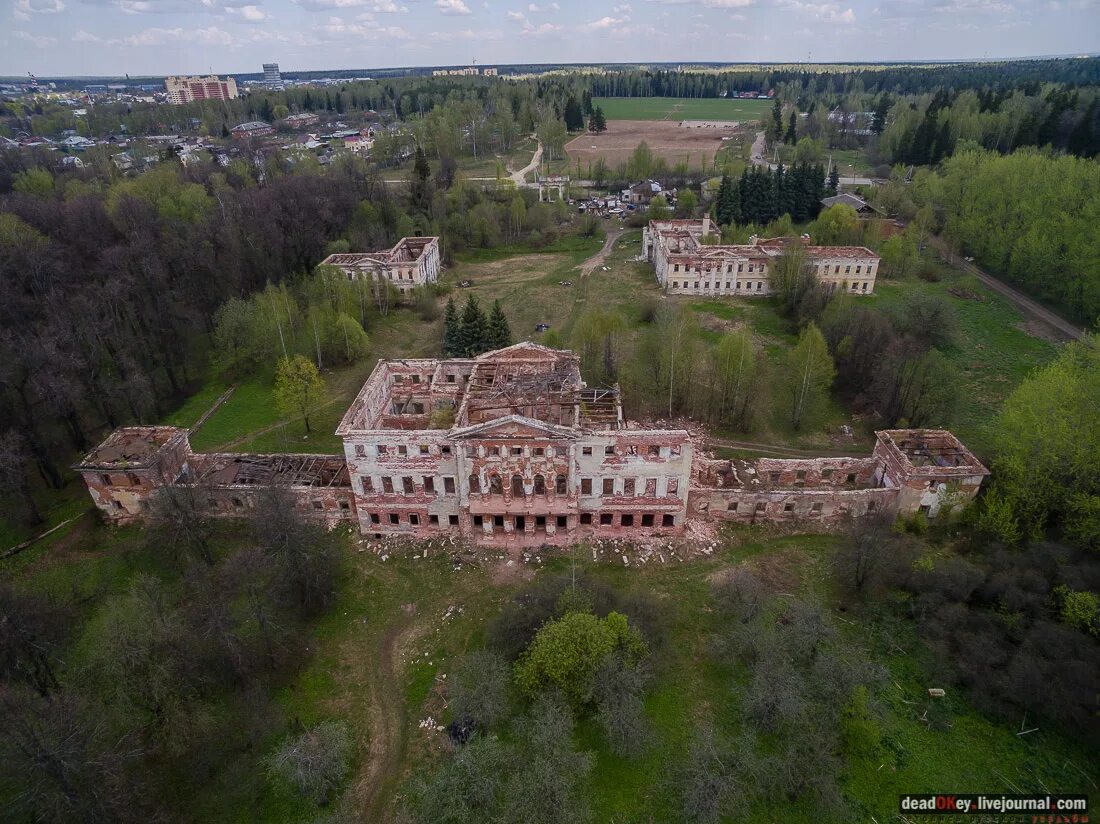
[(810, 374)]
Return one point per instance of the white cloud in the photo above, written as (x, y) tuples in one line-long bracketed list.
[(825, 12), (542, 30), (249, 13), (452, 7), (625, 8), (38, 41), (337, 28), (518, 16), (710, 4), (535, 8), (23, 9), (602, 23), (156, 36), (81, 36), (375, 6)]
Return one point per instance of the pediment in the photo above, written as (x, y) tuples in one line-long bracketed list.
[(514, 426)]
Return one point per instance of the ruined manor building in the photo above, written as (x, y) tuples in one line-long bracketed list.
[(687, 263), (412, 262), (513, 449)]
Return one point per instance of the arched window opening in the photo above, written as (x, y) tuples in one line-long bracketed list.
[(540, 485), (517, 486)]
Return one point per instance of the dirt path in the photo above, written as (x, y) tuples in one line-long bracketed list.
[(388, 740), (536, 158), (1029, 307), (589, 266)]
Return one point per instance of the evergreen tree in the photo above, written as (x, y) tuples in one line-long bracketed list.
[(574, 118), (265, 111), (878, 122), (792, 130), (420, 187), (497, 334), (452, 332), (225, 130), (472, 332), (307, 101), (727, 205), (834, 182), (598, 123), (775, 129)]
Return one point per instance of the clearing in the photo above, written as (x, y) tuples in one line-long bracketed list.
[(666, 138), (681, 108)]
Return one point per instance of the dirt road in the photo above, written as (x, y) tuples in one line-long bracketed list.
[(589, 266), (536, 159), (1029, 307)]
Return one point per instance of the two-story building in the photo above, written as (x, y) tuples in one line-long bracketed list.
[(688, 260), (412, 262), (512, 446)]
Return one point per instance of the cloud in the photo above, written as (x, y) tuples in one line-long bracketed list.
[(337, 28), (375, 6), (23, 9), (465, 34), (452, 7), (249, 13), (602, 23), (518, 16), (535, 8), (824, 12), (710, 4), (81, 36), (156, 36), (542, 30), (625, 8), (38, 41)]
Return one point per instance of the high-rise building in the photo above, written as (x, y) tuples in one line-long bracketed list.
[(271, 73), (190, 89)]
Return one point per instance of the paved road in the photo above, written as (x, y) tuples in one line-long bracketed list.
[(1022, 302)]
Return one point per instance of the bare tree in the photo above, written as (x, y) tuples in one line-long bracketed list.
[(178, 519), (316, 762)]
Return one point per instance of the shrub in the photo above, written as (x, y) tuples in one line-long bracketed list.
[(315, 762)]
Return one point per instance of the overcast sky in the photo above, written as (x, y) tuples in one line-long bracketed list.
[(113, 37)]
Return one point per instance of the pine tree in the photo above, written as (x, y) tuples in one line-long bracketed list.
[(792, 130), (452, 332), (420, 189), (574, 118), (497, 334), (834, 181), (775, 130), (472, 337), (598, 123), (878, 122)]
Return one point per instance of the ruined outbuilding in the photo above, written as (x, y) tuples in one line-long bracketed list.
[(689, 259), (512, 448)]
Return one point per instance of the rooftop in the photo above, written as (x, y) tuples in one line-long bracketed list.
[(406, 250), (131, 447), (935, 450), (526, 380)]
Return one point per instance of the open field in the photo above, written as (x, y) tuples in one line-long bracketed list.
[(676, 108), (666, 138)]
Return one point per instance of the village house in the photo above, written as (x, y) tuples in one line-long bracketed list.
[(412, 262), (512, 448), (254, 128), (685, 262)]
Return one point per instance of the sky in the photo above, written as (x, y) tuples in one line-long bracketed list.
[(158, 37)]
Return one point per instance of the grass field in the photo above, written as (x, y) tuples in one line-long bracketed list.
[(676, 108), (994, 351)]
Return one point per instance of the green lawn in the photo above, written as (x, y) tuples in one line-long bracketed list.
[(676, 108), (991, 356)]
